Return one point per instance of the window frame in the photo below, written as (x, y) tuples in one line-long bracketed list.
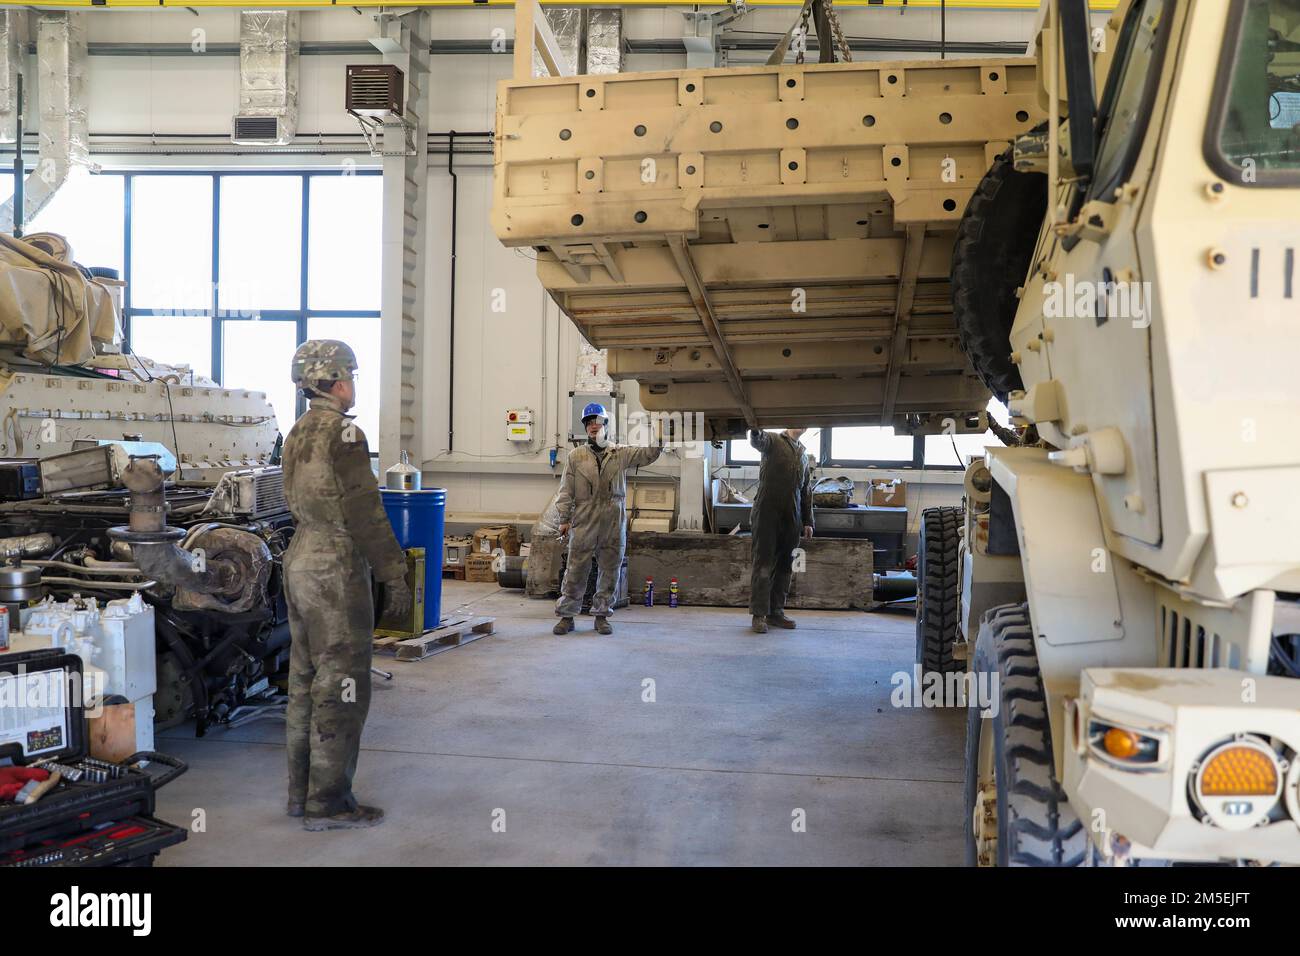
[(1229, 54), (1126, 161), (827, 460), (215, 314)]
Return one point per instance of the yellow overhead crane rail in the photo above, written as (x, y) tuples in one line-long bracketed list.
[(900, 5)]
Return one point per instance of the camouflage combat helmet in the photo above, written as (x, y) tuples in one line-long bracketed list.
[(322, 360)]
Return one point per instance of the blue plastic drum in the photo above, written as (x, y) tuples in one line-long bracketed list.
[(417, 518)]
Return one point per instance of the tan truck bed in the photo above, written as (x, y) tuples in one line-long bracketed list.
[(766, 244)]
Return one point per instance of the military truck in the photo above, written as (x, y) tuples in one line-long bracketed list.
[(1129, 574), (1103, 235)]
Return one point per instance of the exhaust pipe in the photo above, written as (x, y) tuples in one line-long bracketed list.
[(224, 569)]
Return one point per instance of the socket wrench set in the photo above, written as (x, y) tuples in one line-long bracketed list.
[(97, 813)]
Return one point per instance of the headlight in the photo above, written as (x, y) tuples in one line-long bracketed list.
[(1238, 783), (1126, 748)]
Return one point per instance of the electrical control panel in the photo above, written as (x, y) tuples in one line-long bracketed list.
[(519, 424)]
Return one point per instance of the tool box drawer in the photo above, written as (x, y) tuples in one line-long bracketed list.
[(43, 726), (133, 841)]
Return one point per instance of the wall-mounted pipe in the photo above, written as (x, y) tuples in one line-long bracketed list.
[(451, 302)]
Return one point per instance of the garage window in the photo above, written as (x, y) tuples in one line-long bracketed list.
[(230, 272)]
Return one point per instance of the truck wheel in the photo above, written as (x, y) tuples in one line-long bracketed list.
[(1016, 812), (990, 259), (938, 570)]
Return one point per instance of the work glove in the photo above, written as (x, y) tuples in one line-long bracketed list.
[(397, 600)]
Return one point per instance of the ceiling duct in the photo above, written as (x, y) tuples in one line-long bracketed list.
[(61, 61), (13, 41), (566, 24), (604, 40), (268, 78)]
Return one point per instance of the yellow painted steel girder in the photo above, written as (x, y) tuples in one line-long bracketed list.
[(989, 5)]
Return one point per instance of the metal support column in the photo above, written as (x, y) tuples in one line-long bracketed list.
[(404, 42)]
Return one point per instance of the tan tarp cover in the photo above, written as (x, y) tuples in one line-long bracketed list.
[(48, 308)]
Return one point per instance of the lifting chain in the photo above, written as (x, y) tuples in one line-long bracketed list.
[(801, 31), (841, 44)]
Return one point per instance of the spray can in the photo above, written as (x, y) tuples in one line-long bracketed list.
[(4, 628), (672, 592), (649, 592)]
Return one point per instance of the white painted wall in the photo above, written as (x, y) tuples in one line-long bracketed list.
[(523, 357)]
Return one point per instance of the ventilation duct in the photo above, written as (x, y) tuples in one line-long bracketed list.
[(13, 36), (604, 40), (566, 24), (268, 78), (61, 100)]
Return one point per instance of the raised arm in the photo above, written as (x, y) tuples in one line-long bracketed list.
[(634, 457)]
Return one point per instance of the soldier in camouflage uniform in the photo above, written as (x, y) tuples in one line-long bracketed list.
[(783, 509), (342, 535), (591, 503)]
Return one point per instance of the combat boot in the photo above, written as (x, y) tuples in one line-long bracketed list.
[(294, 808), (603, 626), (563, 626), (780, 620), (760, 624), (355, 819)]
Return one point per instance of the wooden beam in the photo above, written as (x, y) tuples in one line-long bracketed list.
[(915, 241), (700, 299)]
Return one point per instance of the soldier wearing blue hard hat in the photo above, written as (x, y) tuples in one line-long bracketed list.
[(592, 512)]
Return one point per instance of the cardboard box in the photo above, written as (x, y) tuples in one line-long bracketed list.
[(653, 521), (115, 733), (659, 496), (478, 567), (888, 494), (503, 536)]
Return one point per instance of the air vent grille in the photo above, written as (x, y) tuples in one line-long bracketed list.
[(374, 90), (257, 129)]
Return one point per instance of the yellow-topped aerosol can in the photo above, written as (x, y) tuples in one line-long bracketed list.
[(402, 476)]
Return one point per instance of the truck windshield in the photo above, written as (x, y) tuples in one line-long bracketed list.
[(1259, 115)]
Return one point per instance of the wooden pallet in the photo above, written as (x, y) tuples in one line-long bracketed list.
[(455, 632), (456, 572)]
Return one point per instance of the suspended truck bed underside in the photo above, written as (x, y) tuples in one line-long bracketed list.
[(765, 244)]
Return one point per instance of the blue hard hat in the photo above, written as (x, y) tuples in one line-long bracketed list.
[(595, 410)]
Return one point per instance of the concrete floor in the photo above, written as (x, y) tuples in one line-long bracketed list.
[(553, 731)]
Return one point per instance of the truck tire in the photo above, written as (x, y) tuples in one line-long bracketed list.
[(990, 259), (1011, 751), (938, 604)]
